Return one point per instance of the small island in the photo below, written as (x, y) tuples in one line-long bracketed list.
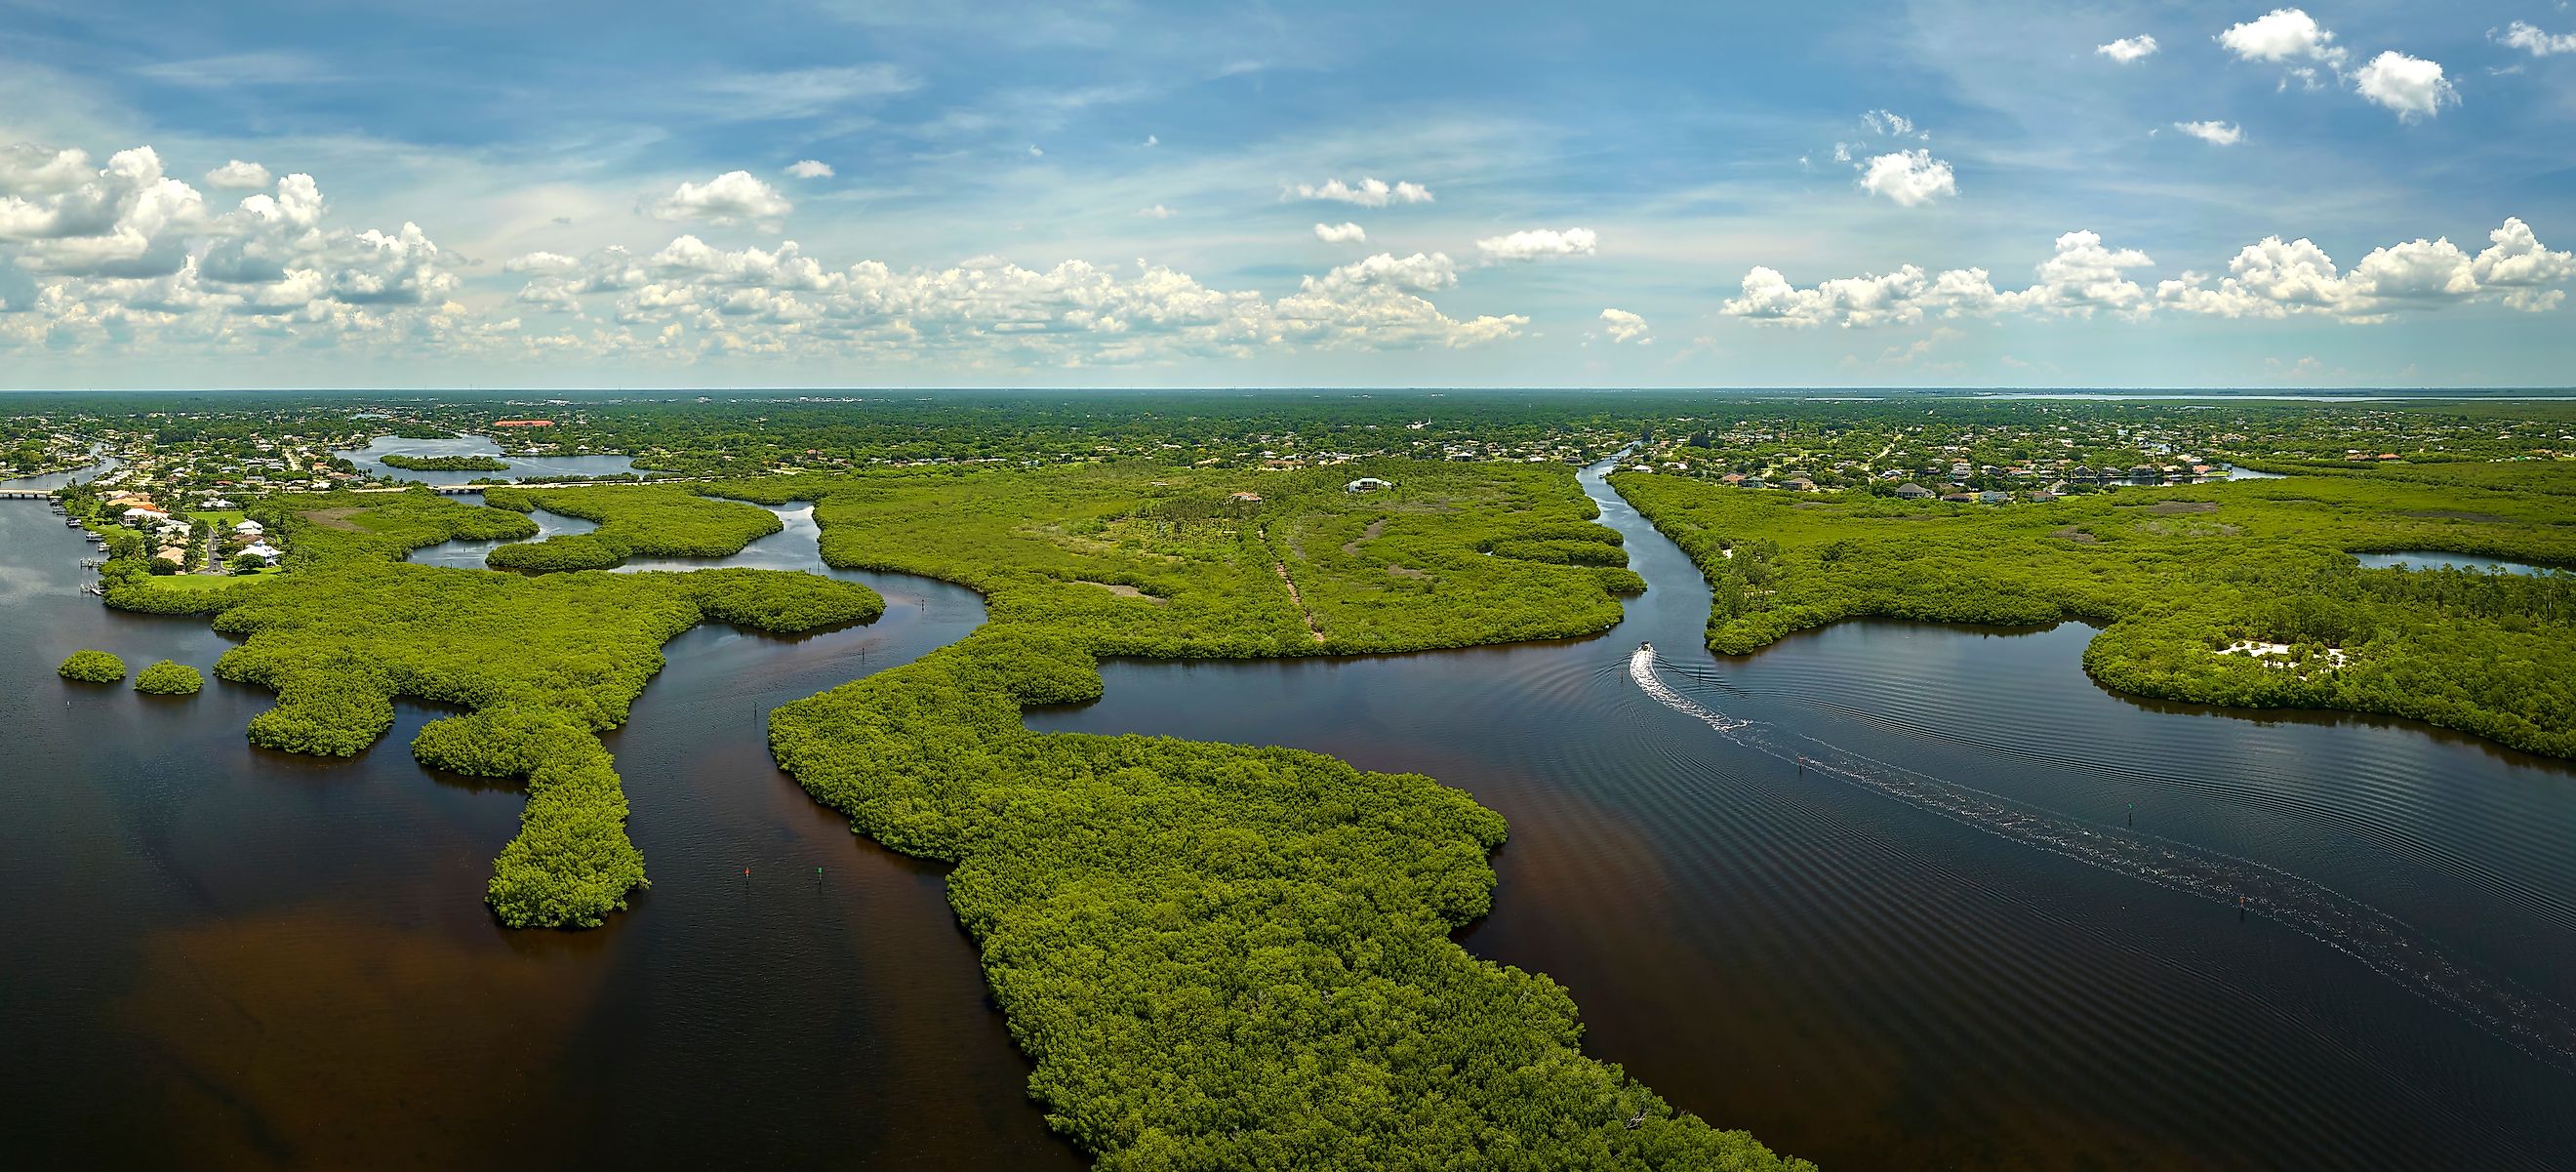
[(92, 667), (169, 678), (443, 463)]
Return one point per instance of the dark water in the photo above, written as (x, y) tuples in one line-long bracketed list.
[(221, 957), (521, 467), (1868, 894), (2428, 559)]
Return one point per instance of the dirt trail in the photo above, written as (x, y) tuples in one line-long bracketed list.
[(1299, 599)]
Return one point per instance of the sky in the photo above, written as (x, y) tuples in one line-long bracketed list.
[(832, 193)]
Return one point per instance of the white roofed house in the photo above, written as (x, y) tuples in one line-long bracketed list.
[(1368, 484), (249, 528), (261, 550)]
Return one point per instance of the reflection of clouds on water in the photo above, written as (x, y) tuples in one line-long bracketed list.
[(2389, 946), (16, 580)]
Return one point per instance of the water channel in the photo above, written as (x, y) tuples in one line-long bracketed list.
[(1891, 896)]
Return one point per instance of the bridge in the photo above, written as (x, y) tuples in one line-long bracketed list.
[(26, 494)]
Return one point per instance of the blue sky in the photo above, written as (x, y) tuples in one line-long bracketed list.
[(1133, 194)]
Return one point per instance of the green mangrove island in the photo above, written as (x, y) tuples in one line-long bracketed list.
[(443, 463)]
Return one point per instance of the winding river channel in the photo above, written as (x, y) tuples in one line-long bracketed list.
[(1891, 896)]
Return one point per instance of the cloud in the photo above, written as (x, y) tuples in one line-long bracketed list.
[(124, 258), (1156, 212), (238, 176), (799, 93), (127, 219), (2530, 39), (1624, 326), (1909, 178), (2282, 35), (1153, 140), (810, 169), (274, 275), (733, 197), (2213, 132), (2411, 86), (236, 69), (1368, 193), (540, 262), (30, 170), (2269, 279), (2128, 49), (1891, 124), (1342, 233), (1535, 243)]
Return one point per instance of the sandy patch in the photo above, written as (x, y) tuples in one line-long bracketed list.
[(334, 518), (1124, 591)]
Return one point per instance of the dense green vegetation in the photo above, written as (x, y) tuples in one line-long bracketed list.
[(92, 667), (541, 664), (634, 521), (1138, 560), (166, 678), (2176, 576), (1227, 957), (443, 463), (1222, 956)]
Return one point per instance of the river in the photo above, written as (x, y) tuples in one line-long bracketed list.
[(233, 958)]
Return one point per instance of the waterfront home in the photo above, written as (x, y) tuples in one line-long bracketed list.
[(173, 555), (1367, 484)]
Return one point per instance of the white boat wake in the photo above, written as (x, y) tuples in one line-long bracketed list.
[(1641, 668), (2531, 1022)]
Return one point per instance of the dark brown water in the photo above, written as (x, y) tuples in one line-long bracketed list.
[(218, 956), (1868, 894)]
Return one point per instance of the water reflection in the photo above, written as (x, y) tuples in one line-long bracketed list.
[(2430, 559)]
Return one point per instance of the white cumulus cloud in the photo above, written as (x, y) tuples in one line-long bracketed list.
[(2128, 49), (2272, 278), (2411, 86), (1342, 233), (2282, 35), (238, 176), (1156, 212), (810, 169), (1367, 193), (2213, 132), (1536, 243), (2530, 39), (1624, 326), (1909, 178), (730, 198)]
